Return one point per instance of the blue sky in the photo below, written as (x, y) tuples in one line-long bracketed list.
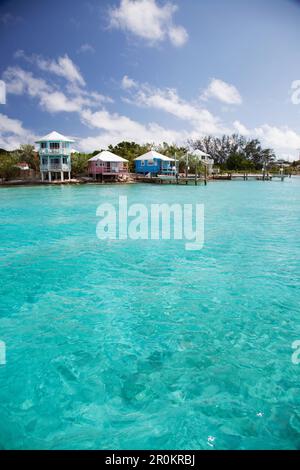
[(150, 70)]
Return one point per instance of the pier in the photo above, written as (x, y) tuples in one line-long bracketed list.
[(251, 176), (182, 180), (195, 180)]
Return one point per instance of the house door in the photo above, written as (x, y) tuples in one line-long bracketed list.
[(114, 167)]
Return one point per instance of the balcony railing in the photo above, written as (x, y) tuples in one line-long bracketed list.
[(109, 169), (59, 151), (55, 167)]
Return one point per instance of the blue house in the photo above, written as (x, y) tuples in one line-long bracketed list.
[(155, 163)]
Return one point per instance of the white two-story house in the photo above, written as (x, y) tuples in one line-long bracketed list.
[(55, 157)]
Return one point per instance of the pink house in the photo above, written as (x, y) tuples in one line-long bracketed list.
[(107, 164)]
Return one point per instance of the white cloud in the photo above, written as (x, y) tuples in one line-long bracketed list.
[(85, 97), (52, 98), (2, 92), (128, 83), (12, 133), (113, 127), (9, 19), (110, 121), (240, 128), (280, 138), (18, 81), (117, 128), (63, 66), (13, 142), (57, 101), (295, 92), (168, 100), (178, 35), (81, 101), (85, 48), (222, 91), (148, 20), (11, 126)]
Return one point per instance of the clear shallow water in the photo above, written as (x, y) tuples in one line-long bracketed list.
[(125, 344)]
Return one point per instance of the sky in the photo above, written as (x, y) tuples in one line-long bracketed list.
[(103, 71)]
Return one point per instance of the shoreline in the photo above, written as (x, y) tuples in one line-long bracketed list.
[(61, 183), (74, 181)]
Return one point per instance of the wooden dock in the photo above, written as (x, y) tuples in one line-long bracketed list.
[(192, 179), (251, 176), (172, 180)]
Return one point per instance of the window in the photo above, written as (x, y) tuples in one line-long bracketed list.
[(151, 162), (65, 160), (54, 145), (142, 162), (65, 145), (45, 161), (56, 161), (43, 145)]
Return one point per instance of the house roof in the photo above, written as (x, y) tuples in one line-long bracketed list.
[(23, 166), (106, 156), (199, 154), (54, 136), (153, 154)]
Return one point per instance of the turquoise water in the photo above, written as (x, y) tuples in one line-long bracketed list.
[(142, 344)]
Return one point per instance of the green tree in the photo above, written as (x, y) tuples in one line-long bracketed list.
[(254, 152), (171, 150), (129, 151), (8, 168), (95, 152), (80, 163), (236, 148), (237, 161)]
